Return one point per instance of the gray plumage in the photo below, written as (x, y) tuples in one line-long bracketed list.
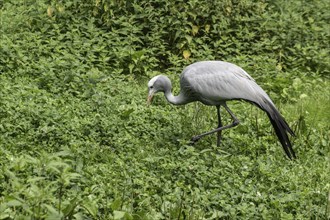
[(214, 83)]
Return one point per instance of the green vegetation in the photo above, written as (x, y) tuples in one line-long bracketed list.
[(77, 140)]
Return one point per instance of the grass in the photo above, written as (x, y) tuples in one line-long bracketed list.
[(77, 140), (106, 156)]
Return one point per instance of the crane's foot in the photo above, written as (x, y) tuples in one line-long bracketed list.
[(194, 139)]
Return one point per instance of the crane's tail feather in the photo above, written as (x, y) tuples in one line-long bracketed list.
[(280, 126), (282, 135)]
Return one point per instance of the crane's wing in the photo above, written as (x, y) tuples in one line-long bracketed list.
[(213, 82)]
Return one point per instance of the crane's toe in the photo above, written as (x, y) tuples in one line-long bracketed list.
[(194, 139)]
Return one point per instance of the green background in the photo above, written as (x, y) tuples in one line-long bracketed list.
[(77, 140)]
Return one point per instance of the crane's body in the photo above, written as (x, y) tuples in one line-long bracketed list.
[(215, 82)]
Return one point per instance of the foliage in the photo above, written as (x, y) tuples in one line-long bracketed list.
[(77, 140), (292, 33)]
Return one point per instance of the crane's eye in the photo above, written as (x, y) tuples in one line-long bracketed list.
[(151, 87)]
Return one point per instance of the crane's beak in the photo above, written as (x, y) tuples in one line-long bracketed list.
[(149, 100), (150, 97)]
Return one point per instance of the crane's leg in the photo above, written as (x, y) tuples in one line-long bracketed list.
[(235, 123), (219, 126)]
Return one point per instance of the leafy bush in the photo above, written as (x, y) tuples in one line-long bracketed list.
[(290, 32)]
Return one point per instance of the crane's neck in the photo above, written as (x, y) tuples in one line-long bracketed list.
[(181, 99)]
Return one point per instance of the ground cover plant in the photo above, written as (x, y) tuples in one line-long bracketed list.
[(77, 140)]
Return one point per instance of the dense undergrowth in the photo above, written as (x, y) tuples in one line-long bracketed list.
[(77, 140)]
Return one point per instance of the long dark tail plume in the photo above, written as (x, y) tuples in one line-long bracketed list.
[(280, 126)]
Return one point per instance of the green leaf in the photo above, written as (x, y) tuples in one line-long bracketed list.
[(116, 204), (91, 207), (14, 202), (118, 214), (73, 203), (189, 39)]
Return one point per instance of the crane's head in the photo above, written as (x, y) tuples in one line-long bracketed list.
[(158, 83)]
